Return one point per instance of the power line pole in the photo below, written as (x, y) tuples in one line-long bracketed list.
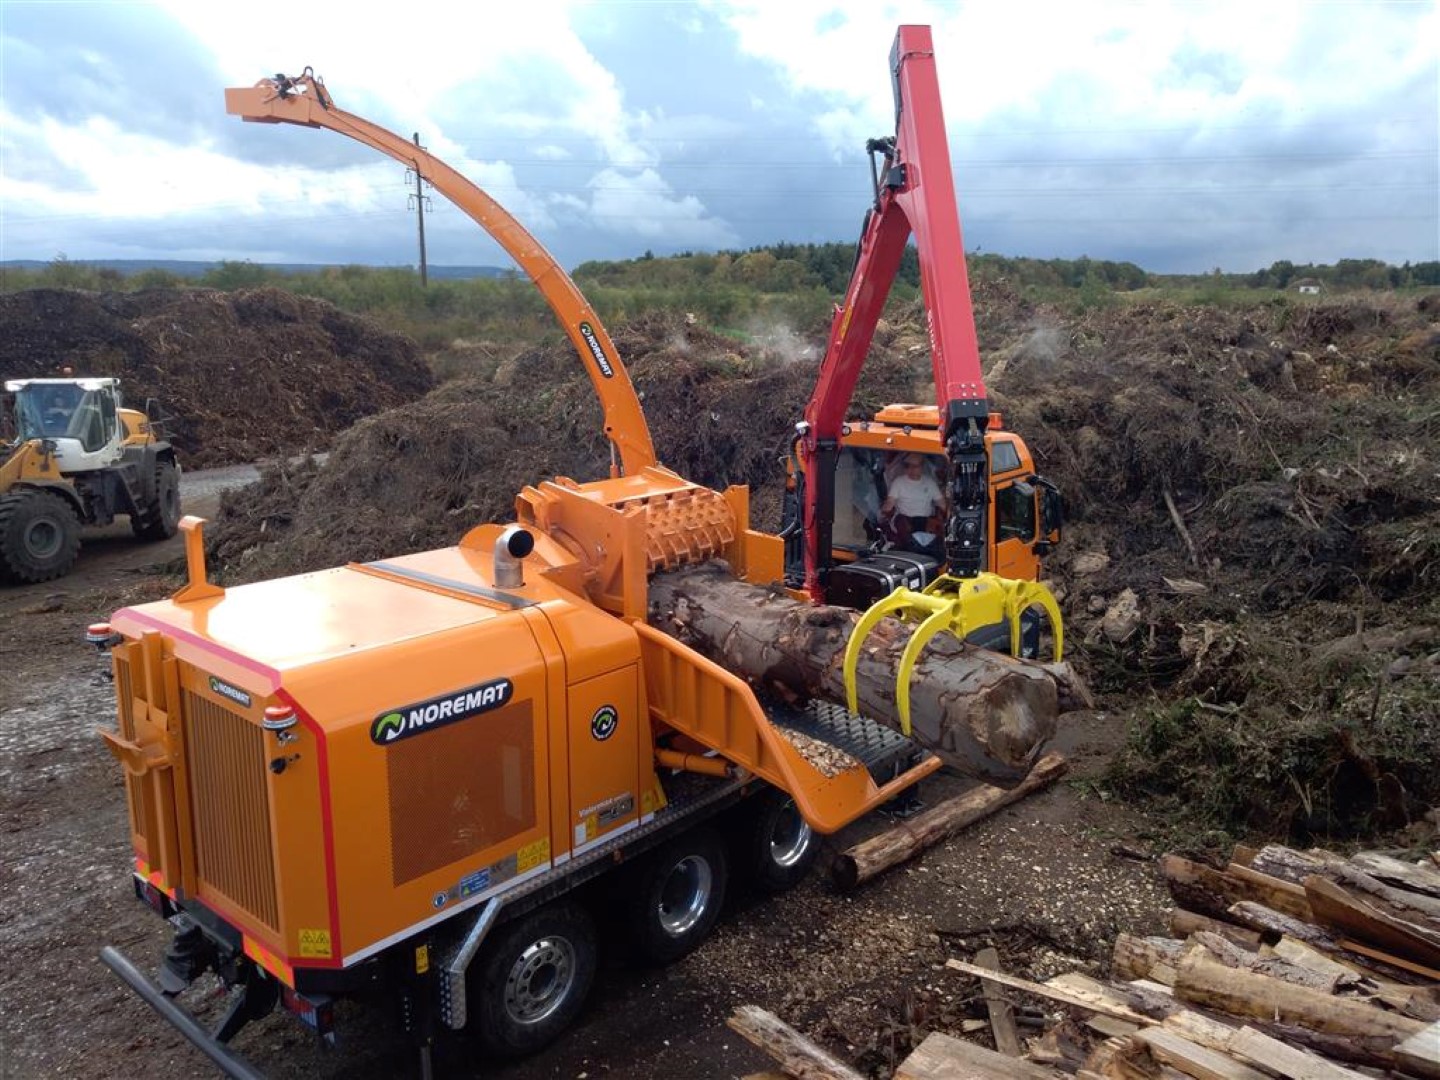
[(419, 199)]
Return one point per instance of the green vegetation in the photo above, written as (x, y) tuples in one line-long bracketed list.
[(793, 284)]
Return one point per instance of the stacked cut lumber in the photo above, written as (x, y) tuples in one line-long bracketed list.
[(1285, 963)]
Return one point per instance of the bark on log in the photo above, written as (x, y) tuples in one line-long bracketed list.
[(1355, 917), (1268, 921), (1184, 923), (796, 1054), (1417, 877), (1146, 958), (1205, 981), (1295, 867), (1211, 892), (986, 714), (908, 838), (1232, 955)]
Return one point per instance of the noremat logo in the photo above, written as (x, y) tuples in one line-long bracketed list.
[(234, 693), (601, 360), (423, 716)]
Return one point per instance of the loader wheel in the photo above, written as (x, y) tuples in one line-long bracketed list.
[(159, 518), (39, 536), (678, 895), (532, 979), (780, 844)]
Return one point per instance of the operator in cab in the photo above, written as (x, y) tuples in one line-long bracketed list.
[(913, 503)]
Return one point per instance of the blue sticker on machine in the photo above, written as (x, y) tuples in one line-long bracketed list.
[(604, 722), (475, 883)]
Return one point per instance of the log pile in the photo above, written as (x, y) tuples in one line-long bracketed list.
[(1292, 964), (1285, 963)]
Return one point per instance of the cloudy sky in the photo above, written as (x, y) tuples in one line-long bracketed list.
[(1180, 136)]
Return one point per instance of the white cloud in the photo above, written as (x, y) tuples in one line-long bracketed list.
[(643, 204)]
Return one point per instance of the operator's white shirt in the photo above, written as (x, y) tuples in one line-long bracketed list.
[(914, 498)]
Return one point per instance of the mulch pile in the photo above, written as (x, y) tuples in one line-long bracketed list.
[(242, 376)]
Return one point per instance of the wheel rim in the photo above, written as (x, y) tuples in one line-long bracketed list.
[(540, 980), (44, 538), (790, 837), (685, 895)]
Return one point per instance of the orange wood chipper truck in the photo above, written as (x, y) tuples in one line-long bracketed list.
[(414, 774)]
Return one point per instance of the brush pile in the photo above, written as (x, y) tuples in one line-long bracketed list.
[(240, 376)]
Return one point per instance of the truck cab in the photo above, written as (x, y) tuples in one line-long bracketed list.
[(1025, 510)]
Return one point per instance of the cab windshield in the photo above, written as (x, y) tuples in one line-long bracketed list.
[(63, 411)]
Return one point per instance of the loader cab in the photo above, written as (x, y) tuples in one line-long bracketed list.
[(1025, 509), (79, 417)]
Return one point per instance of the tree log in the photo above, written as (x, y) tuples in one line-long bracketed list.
[(1184, 923), (1295, 867), (1353, 916), (797, 1055), (1232, 955), (986, 714), (1418, 877), (941, 1057), (1268, 921), (1211, 892), (1146, 958), (1204, 981), (910, 837)]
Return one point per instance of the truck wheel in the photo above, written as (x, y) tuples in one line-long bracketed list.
[(780, 844), (532, 979), (159, 519), (39, 536), (678, 895)]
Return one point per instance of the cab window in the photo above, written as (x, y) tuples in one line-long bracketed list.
[(1003, 456), (1015, 512)]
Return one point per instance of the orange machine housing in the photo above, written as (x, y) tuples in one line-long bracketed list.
[(410, 820), (334, 762)]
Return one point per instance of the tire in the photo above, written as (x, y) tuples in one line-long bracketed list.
[(677, 896), (160, 518), (779, 846), (532, 980), (39, 536)]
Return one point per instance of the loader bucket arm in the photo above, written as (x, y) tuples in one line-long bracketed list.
[(304, 100), (914, 193)]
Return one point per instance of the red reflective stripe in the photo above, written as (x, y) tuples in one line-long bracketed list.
[(327, 822), (205, 644)]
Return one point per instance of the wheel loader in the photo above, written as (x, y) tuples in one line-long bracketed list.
[(419, 776), (79, 459)]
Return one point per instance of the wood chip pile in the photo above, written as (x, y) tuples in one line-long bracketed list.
[(1283, 964)]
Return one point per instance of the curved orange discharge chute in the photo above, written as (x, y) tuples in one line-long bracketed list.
[(304, 100)]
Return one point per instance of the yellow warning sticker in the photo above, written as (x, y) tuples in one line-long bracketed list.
[(532, 855), (422, 959), (315, 944)]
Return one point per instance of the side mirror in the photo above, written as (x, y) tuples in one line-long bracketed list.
[(1052, 510)]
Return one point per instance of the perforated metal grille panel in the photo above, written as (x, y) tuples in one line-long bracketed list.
[(459, 789), (125, 696), (233, 855)]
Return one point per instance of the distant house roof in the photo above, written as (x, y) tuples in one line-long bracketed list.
[(1306, 283)]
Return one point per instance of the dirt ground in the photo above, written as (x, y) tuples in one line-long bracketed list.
[(862, 973)]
